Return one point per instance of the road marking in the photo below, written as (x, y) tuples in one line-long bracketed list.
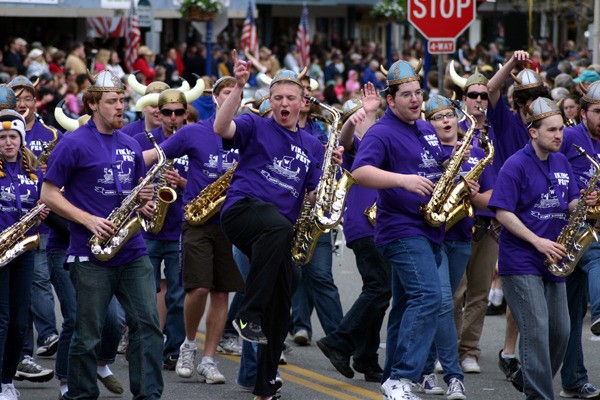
[(337, 389)]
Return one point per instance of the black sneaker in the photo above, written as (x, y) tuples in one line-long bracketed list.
[(372, 371), (508, 365), (170, 362), (340, 361), (250, 331), (496, 310), (49, 346), (517, 380), (28, 370)]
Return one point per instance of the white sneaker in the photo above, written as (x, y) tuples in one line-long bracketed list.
[(428, 384), (470, 366), (209, 373), (438, 367), (456, 390), (301, 338), (230, 345), (186, 360), (9, 392), (394, 389)]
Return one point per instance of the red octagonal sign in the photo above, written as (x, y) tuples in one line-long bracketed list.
[(441, 19)]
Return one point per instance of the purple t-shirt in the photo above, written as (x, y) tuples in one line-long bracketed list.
[(315, 130), (356, 223), (17, 183), (207, 158), (525, 189), (463, 229), (510, 133), (83, 167), (172, 227), (393, 145), (582, 168), (276, 165), (135, 127)]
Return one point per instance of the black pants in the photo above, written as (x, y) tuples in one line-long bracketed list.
[(264, 235)]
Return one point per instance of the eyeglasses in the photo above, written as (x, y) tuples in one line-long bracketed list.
[(409, 95), (475, 95), (26, 99), (440, 117), (167, 113), (596, 111)]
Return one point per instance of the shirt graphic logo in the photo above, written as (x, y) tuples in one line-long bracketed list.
[(284, 167), (427, 160), (548, 199)]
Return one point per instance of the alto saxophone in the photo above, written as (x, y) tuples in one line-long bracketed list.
[(165, 195), (441, 204), (330, 197), (460, 192), (123, 216), (577, 235), (45, 154), (13, 241), (209, 201)]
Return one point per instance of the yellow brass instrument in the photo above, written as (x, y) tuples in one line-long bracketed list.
[(330, 197), (165, 195), (209, 201), (460, 192), (13, 241), (442, 204), (123, 216), (45, 154), (577, 235), (371, 213)]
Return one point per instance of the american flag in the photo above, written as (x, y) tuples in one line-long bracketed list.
[(303, 38), (249, 39), (133, 38), (106, 27)]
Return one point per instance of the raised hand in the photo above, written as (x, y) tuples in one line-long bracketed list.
[(370, 98), (241, 69)]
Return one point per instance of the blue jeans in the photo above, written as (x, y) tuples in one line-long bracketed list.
[(583, 281), (168, 250), (541, 313), (15, 297), (133, 285), (455, 257), (358, 332), (416, 299), (317, 290)]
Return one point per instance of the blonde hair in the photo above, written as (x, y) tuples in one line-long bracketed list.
[(28, 161)]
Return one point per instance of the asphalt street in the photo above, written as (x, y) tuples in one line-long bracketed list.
[(310, 376)]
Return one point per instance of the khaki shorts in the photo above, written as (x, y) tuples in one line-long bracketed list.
[(208, 260)]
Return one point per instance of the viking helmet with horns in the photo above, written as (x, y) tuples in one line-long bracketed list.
[(591, 94), (350, 107), (527, 79), (8, 100), (439, 103), (401, 72), (541, 108), (22, 82), (190, 95), (68, 123), (105, 81), (476, 79)]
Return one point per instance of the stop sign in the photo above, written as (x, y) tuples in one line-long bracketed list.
[(441, 19)]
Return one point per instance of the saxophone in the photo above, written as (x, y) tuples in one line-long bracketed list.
[(441, 204), (209, 201), (460, 192), (122, 216), (45, 154), (165, 195), (330, 197), (13, 241), (577, 235)]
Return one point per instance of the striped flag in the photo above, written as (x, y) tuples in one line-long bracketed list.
[(249, 39), (133, 38), (303, 38), (106, 27)]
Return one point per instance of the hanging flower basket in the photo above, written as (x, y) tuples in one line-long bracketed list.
[(196, 14), (200, 10), (389, 10)]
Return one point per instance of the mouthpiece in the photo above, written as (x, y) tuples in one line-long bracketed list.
[(312, 100), (480, 109)]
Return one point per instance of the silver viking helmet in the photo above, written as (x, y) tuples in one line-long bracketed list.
[(350, 107), (591, 94), (105, 81), (541, 108), (527, 79)]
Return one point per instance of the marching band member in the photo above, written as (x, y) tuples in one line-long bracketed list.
[(208, 266), (20, 183), (263, 202), (98, 165), (534, 193)]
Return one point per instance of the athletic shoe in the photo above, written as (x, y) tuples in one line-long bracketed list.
[(301, 338), (340, 361), (456, 390), (9, 392), (586, 391), (508, 365), (230, 345), (393, 389), (428, 384), (112, 384), (209, 373), (187, 357), (470, 366), (249, 331), (28, 370), (170, 362), (372, 371), (596, 327), (49, 346)]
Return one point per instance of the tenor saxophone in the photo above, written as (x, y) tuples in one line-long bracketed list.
[(441, 204), (45, 154), (330, 197), (209, 201), (13, 241), (577, 235), (123, 216), (460, 192)]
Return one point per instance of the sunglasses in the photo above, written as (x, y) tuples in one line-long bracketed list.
[(167, 113), (475, 95)]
